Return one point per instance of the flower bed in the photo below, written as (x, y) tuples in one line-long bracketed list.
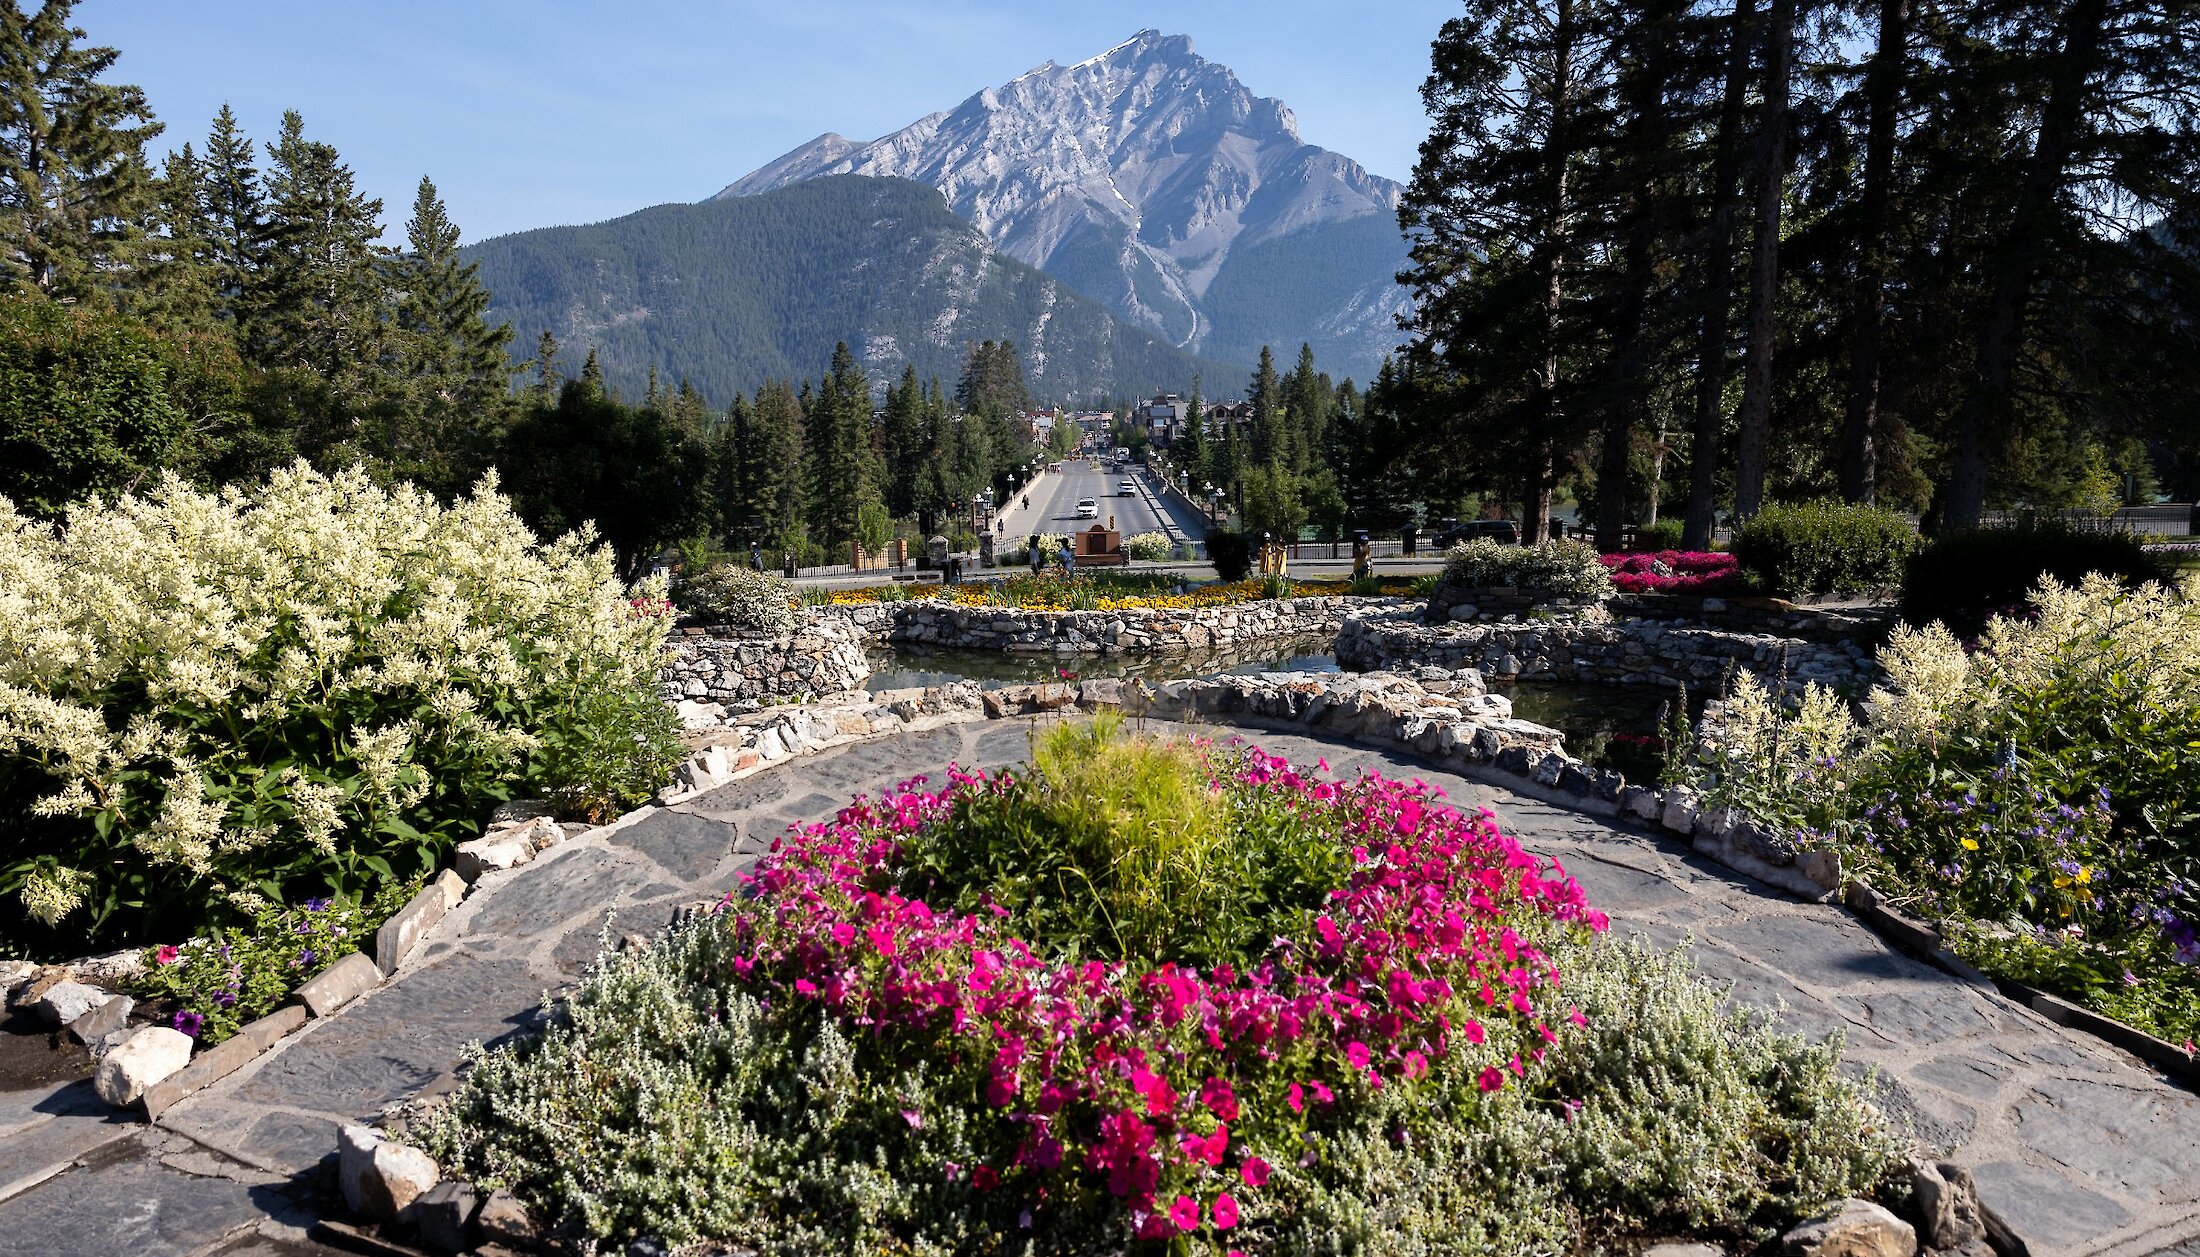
[(1155, 997), (2037, 791), (1697, 572), (1111, 591)]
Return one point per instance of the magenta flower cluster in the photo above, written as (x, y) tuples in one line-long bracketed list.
[(1174, 1092), (1697, 572)]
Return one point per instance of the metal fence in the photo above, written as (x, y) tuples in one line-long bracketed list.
[(2174, 520)]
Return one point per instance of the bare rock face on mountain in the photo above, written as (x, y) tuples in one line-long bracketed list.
[(1150, 179)]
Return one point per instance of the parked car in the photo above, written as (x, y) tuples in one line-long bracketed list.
[(1502, 531), (1126, 489), (1087, 509)]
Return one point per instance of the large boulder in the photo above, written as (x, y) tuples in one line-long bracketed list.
[(147, 1056), (380, 1179)]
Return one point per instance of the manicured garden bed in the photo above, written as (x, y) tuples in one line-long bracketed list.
[(2035, 790), (1104, 590), (1700, 573), (1147, 997)]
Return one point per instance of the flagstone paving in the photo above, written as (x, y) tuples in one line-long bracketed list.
[(2078, 1147)]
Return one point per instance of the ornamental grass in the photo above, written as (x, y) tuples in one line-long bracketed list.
[(1151, 996)]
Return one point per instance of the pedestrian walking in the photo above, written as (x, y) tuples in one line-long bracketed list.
[(1036, 553), (1069, 558), (756, 555)]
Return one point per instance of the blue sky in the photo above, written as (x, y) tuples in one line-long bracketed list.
[(532, 114)]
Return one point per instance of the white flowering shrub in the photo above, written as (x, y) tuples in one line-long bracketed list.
[(1568, 567), (1150, 547), (209, 703), (734, 595)]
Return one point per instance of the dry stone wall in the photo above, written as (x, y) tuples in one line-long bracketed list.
[(1629, 651), (719, 665), (1126, 632)]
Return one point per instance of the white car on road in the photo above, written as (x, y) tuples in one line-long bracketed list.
[(1087, 509), (1126, 489)]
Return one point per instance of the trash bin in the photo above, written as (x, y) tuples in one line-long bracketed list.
[(1410, 540)]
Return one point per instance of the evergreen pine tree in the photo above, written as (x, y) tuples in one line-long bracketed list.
[(547, 378), (449, 362), (905, 442), (236, 216), (1192, 454), (1270, 444), (320, 306), (173, 287), (74, 185)]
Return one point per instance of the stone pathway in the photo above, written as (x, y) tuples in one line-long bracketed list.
[(2079, 1148)]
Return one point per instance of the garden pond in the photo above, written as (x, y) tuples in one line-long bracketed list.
[(1606, 726)]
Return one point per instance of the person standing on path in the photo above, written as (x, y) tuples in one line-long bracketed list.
[(1036, 552)]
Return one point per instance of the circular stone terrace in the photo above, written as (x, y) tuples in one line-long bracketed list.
[(2076, 1147)]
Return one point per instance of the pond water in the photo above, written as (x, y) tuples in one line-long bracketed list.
[(1608, 726)]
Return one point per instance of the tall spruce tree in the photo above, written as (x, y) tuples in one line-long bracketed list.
[(235, 207), (451, 364), (74, 185), (321, 298)]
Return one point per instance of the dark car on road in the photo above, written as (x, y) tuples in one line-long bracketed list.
[(1451, 532)]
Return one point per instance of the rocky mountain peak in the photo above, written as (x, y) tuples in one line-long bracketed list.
[(1137, 176)]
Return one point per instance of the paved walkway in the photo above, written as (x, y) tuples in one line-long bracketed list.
[(2079, 1147)]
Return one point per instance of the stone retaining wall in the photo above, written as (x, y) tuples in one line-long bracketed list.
[(1868, 625), (729, 666), (1621, 652), (1141, 631)]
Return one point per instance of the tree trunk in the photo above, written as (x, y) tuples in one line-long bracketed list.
[(1755, 419), (1544, 406), (1535, 500), (1882, 91), (1988, 409), (1717, 299), (1657, 475)]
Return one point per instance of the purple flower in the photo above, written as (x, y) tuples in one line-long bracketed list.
[(187, 1021), (317, 905)]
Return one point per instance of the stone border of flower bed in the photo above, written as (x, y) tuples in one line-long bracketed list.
[(149, 1068)]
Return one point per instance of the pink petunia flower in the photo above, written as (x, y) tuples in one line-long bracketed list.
[(1225, 1212), (1254, 1173), (1185, 1213)]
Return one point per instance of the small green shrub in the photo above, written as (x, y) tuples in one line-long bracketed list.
[(1232, 555), (1812, 549), (1663, 535), (735, 595), (1118, 847), (1570, 568), (1961, 578)]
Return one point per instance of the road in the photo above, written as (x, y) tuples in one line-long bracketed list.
[(1054, 506)]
